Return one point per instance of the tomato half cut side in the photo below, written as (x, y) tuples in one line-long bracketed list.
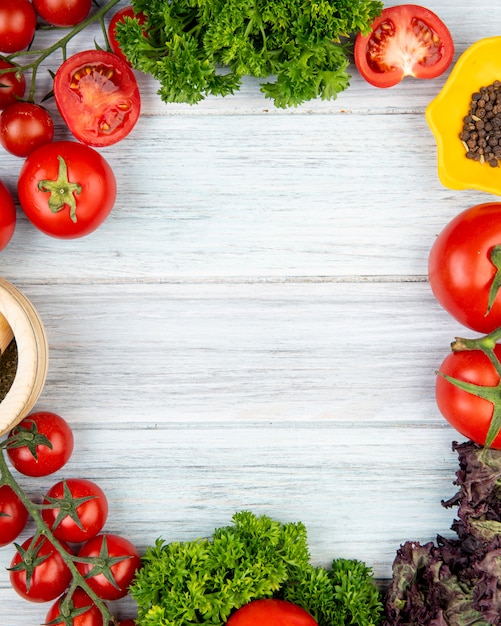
[(405, 40), (98, 97)]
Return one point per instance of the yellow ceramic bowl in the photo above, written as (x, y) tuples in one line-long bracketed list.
[(479, 66)]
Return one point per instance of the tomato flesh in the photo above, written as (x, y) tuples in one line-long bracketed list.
[(406, 40), (98, 97)]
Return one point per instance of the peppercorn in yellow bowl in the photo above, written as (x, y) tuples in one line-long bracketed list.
[(463, 166)]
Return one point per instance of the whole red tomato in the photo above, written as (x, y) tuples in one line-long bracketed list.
[(87, 515), (464, 267), (405, 40), (13, 515), (18, 22), (119, 17), (66, 189), (63, 12), (25, 126), (7, 216), (110, 549), (12, 85), (469, 414), (48, 579), (98, 97), (35, 457), (270, 612), (79, 601)]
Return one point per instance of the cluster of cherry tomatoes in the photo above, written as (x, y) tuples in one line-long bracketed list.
[(98, 98), (69, 522)]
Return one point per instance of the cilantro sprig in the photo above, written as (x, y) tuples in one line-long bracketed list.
[(196, 48)]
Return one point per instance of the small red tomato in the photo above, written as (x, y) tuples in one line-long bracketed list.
[(25, 126), (73, 615), (270, 612), (18, 22), (35, 457), (7, 216), (405, 40), (12, 85), (86, 516), (63, 12), (119, 17), (13, 515), (109, 549), (49, 578), (127, 622)]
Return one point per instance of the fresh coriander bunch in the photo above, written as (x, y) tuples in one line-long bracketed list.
[(205, 580), (196, 48)]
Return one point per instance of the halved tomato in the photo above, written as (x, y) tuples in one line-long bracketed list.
[(405, 40), (98, 97)]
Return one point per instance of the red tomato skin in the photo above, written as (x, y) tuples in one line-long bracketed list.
[(271, 612), (13, 515), (96, 115), (119, 17), (467, 413), (123, 572), (49, 579), (460, 270), (13, 88), (92, 513), (85, 166), (380, 59), (8, 216), (127, 622), (18, 22), (24, 127), (49, 460), (80, 599), (62, 12)]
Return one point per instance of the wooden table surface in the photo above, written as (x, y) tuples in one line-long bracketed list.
[(252, 327)]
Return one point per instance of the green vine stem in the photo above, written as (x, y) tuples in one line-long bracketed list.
[(42, 530), (61, 44), (485, 344)]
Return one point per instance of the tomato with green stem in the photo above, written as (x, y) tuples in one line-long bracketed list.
[(63, 12), (115, 561), (41, 444), (38, 572), (13, 515), (24, 126), (98, 97), (78, 610), (8, 216), (76, 511), (271, 612), (12, 84), (66, 189), (405, 40), (18, 23)]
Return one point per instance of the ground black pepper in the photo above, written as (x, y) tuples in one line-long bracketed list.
[(8, 368), (481, 134)]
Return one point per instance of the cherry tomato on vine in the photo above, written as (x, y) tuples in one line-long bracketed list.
[(468, 414), (271, 612), (66, 189), (110, 549), (7, 216), (12, 85), (18, 22), (464, 267), (79, 600), (38, 572), (13, 515), (62, 12), (85, 517), (35, 457), (25, 126), (119, 17), (405, 40), (98, 97)]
